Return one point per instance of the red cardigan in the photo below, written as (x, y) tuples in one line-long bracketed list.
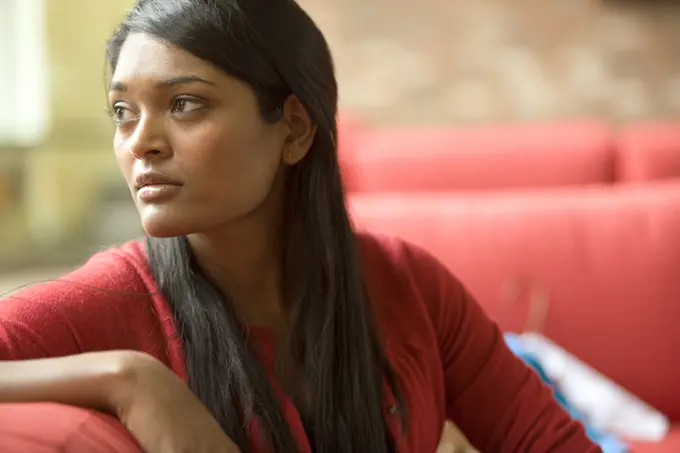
[(450, 359)]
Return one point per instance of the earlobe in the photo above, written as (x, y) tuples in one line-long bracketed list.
[(301, 131), (290, 157)]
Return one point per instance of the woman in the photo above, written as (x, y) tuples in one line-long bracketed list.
[(293, 332)]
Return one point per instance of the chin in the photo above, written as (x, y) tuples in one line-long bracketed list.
[(162, 231), (158, 224)]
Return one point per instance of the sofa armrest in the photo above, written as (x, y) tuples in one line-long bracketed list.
[(56, 428)]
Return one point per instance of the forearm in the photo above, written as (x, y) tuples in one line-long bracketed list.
[(93, 380)]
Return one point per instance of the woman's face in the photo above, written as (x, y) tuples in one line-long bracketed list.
[(189, 140)]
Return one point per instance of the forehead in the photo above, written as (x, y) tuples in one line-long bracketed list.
[(146, 57)]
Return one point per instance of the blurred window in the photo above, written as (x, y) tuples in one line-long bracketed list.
[(23, 73)]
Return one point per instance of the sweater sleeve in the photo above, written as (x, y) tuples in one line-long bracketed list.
[(103, 305), (493, 397)]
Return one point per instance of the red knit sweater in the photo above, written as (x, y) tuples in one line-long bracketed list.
[(450, 359)]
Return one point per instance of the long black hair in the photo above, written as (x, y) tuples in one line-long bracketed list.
[(276, 48)]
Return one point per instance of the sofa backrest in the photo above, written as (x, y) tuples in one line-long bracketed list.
[(481, 157), (649, 151), (606, 260)]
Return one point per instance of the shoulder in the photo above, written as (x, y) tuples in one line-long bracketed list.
[(404, 279), (106, 273), (110, 302), (407, 265)]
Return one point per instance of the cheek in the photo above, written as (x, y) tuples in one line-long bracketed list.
[(124, 159), (236, 165)]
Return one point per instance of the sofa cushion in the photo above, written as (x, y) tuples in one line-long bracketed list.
[(671, 444), (483, 157), (648, 151), (601, 264), (55, 428)]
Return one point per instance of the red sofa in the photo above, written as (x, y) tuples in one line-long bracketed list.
[(548, 209), (606, 260), (648, 151), (55, 428), (510, 156), (478, 158)]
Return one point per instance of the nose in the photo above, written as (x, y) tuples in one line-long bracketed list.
[(148, 141)]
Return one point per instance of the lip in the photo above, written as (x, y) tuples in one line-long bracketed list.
[(152, 178), (154, 186)]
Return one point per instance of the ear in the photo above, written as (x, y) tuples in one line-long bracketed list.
[(301, 131)]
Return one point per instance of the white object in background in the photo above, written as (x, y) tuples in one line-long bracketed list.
[(605, 405), (23, 73)]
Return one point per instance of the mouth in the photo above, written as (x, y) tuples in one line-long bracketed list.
[(156, 184), (153, 178), (155, 193), (155, 187)]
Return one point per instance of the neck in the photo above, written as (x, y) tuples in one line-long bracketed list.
[(244, 259)]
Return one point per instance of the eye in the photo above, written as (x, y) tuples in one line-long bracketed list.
[(186, 105), (121, 113)]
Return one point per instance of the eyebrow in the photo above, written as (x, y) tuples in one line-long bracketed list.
[(179, 80)]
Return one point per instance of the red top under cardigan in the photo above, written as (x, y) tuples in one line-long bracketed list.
[(450, 359)]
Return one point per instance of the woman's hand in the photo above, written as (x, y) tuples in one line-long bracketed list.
[(162, 413), (453, 441)]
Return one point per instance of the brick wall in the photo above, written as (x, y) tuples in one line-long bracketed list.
[(438, 61)]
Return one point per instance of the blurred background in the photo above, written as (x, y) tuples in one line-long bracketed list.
[(532, 145)]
